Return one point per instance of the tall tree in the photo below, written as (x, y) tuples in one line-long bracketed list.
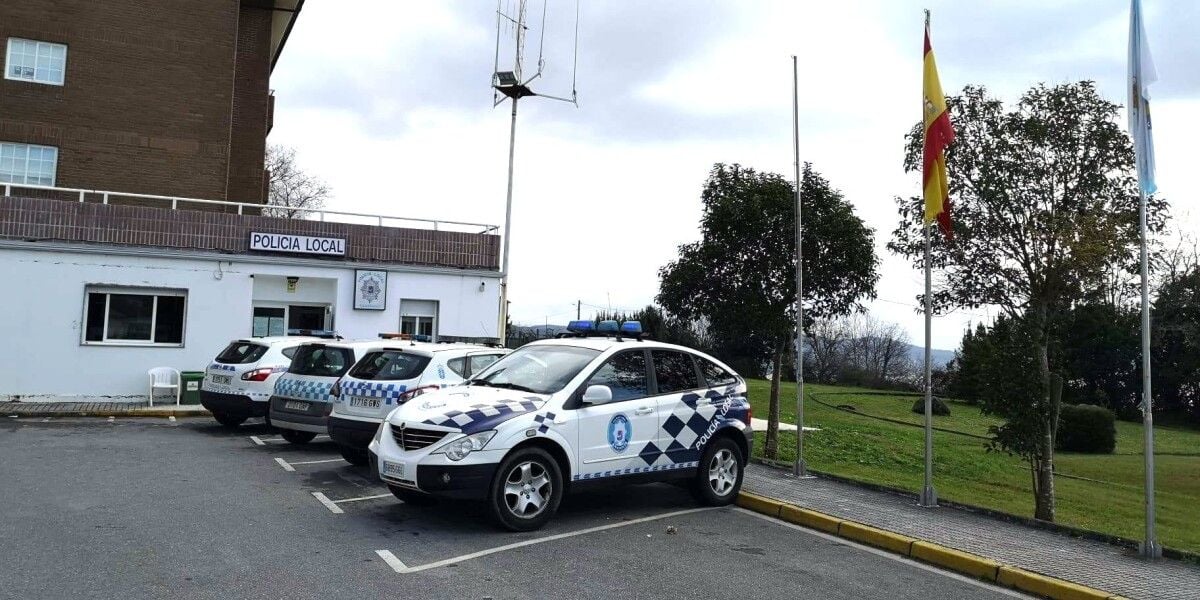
[(291, 192), (1044, 204), (740, 277)]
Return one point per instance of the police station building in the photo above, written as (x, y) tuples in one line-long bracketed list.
[(133, 232)]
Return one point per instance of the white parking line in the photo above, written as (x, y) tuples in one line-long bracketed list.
[(392, 561), (363, 498), (263, 441), (316, 462), (257, 440), (400, 567), (284, 464), (333, 508)]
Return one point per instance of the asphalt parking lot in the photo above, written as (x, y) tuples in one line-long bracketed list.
[(134, 508)]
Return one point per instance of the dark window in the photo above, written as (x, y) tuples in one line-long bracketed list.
[(714, 374), (459, 366), (134, 317), (241, 353), (674, 371), (321, 361), (306, 317), (390, 365), (289, 352), (625, 375)]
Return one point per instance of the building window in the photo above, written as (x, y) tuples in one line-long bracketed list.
[(40, 62), (28, 164), (419, 317), (136, 317)]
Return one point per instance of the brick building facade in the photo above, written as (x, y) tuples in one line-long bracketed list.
[(167, 98)]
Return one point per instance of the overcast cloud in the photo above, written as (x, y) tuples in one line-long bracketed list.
[(389, 102)]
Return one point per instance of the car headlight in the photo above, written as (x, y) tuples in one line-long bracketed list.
[(459, 449)]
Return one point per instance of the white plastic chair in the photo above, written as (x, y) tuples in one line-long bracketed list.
[(165, 378)]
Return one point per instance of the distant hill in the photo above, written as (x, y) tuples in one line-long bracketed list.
[(939, 358)]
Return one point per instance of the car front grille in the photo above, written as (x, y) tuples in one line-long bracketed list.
[(412, 438)]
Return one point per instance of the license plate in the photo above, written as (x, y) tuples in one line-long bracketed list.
[(293, 405), (221, 379), (396, 470), (362, 402)]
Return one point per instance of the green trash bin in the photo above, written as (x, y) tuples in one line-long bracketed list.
[(191, 386)]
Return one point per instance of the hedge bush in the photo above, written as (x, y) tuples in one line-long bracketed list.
[(1086, 428), (939, 407)]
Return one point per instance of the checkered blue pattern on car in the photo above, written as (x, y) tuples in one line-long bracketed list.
[(544, 422), (221, 367), (371, 389), (635, 470), (481, 417), (314, 391)]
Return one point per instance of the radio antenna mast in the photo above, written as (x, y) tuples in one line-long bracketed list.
[(509, 82)]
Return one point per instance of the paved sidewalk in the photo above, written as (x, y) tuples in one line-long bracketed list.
[(99, 409), (1094, 564)]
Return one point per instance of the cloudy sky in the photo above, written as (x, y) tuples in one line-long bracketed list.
[(390, 103)]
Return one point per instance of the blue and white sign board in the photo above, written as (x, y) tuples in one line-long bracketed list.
[(297, 244)]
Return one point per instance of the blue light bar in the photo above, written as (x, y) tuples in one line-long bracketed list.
[(579, 326), (607, 327), (631, 327)]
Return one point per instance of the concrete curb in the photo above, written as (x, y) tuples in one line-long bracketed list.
[(958, 561), (160, 413)]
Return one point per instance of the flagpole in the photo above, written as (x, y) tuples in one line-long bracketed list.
[(799, 469), (928, 494), (1150, 547)]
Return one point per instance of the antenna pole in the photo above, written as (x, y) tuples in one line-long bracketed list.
[(512, 147)]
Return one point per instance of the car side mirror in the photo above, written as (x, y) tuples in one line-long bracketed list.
[(597, 394)]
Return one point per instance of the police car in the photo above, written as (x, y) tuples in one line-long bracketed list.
[(598, 406), (237, 384), (300, 402), (390, 375)]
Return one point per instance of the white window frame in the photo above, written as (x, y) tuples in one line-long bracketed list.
[(38, 49), (108, 291), (422, 317), (18, 148)]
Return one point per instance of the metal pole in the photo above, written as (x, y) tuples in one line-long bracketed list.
[(928, 494), (799, 469), (1150, 547), (512, 146)]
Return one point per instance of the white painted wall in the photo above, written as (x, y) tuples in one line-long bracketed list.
[(42, 304)]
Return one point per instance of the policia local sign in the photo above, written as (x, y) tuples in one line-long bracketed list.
[(298, 244)]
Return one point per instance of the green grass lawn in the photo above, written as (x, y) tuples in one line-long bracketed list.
[(866, 449)]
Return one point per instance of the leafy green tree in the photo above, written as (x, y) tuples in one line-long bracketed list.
[(1176, 349), (739, 278), (1045, 204)]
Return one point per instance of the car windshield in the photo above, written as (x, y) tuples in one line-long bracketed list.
[(321, 361), (537, 369), (389, 365)]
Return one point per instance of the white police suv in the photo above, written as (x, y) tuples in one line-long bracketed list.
[(237, 384), (390, 375), (301, 402), (598, 406)]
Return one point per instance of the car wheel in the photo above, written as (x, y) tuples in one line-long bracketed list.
[(526, 490), (410, 496), (267, 421), (227, 419), (297, 437), (353, 456), (719, 476)]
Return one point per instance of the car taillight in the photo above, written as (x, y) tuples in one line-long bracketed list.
[(749, 414), (257, 375), (413, 393)]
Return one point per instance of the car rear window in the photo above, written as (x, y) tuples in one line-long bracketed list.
[(240, 353), (389, 365), (321, 361), (714, 374)]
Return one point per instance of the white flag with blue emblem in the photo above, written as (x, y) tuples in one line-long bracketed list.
[(1141, 75)]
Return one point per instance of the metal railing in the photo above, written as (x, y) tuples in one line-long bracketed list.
[(318, 214)]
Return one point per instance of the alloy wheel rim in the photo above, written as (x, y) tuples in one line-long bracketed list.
[(527, 489), (722, 472)]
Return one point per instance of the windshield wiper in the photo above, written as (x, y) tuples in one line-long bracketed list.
[(513, 386), (482, 382)]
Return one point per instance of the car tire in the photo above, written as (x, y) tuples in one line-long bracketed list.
[(354, 456), (297, 437), (410, 497), (227, 419), (526, 490), (719, 476)]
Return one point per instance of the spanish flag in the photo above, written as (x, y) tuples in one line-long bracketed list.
[(938, 135)]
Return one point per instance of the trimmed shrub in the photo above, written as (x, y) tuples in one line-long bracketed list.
[(1086, 428), (939, 407)]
